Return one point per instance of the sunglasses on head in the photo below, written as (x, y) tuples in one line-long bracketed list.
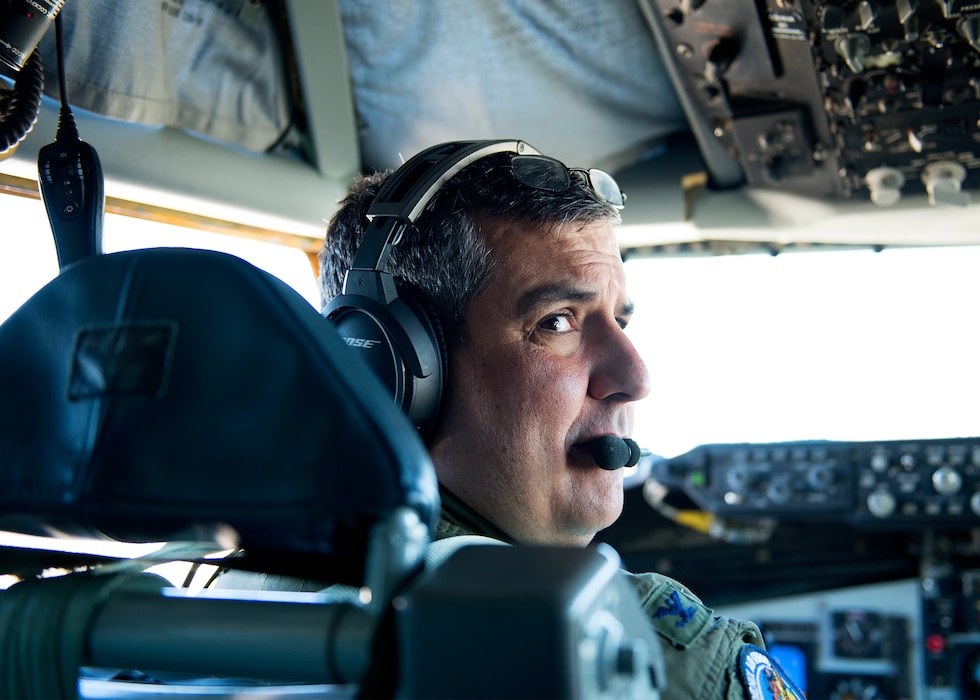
[(546, 173)]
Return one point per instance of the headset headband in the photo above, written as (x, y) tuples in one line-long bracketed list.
[(405, 194)]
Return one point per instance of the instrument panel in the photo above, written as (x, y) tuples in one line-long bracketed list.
[(914, 638), (901, 483), (851, 643)]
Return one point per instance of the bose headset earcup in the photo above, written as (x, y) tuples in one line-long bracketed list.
[(403, 343), (394, 328)]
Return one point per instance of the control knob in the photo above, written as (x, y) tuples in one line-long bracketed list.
[(944, 181), (881, 504), (947, 481), (740, 477), (779, 492), (885, 185), (820, 477)]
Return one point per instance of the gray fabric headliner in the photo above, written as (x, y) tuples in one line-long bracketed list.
[(582, 81)]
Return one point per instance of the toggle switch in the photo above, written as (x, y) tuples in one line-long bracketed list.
[(853, 48)]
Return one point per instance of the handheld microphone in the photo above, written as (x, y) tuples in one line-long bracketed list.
[(611, 452), (71, 182)]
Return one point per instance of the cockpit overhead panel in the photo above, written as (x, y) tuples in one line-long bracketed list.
[(830, 98)]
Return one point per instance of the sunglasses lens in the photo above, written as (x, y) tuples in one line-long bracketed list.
[(541, 172), (607, 188), (545, 173)]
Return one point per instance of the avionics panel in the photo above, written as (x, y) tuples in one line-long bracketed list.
[(896, 483)]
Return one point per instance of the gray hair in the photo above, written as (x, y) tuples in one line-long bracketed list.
[(445, 256)]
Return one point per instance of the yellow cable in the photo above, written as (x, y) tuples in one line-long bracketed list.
[(695, 519)]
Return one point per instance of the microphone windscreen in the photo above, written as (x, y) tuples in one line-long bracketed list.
[(634, 452), (611, 452)]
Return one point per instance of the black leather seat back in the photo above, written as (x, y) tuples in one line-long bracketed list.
[(151, 392)]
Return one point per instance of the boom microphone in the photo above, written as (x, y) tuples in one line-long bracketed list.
[(611, 452)]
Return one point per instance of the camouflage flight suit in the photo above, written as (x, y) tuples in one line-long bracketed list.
[(706, 655)]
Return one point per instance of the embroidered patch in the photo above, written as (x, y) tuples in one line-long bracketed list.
[(675, 608), (676, 615), (763, 678)]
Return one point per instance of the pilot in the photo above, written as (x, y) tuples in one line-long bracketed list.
[(518, 259)]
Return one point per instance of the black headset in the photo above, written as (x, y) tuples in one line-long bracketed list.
[(389, 322)]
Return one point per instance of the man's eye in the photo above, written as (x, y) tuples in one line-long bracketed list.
[(556, 324)]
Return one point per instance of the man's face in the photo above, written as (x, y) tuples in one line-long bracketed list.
[(546, 367)]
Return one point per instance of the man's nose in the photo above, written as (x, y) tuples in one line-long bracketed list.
[(618, 370)]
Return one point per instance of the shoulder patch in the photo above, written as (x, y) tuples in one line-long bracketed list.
[(675, 607), (763, 678), (675, 615)]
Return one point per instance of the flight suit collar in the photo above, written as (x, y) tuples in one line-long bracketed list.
[(457, 518)]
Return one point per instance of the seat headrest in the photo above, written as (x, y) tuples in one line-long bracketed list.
[(150, 392)]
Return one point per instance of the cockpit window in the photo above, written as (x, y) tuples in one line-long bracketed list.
[(839, 345), (28, 259)]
